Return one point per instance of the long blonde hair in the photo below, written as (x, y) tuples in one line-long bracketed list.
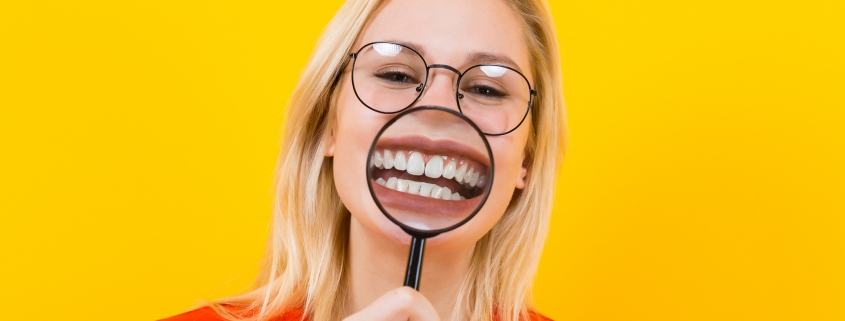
[(306, 253)]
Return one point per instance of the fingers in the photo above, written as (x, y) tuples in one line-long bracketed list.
[(398, 305)]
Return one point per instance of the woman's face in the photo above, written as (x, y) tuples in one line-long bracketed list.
[(460, 34)]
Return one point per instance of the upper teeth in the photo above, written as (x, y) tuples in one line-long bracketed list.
[(415, 165)]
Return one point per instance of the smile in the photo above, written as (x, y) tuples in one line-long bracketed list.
[(450, 178)]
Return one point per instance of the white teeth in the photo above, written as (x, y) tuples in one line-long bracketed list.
[(388, 159), (482, 180), (446, 194), (399, 161), (416, 166), (414, 187), (425, 189), (420, 188), (436, 192), (473, 180), (401, 185), (434, 167), (459, 175), (449, 170), (378, 160), (468, 175)]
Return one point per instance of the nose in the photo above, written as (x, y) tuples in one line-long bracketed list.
[(440, 89)]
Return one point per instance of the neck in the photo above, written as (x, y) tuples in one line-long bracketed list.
[(377, 265)]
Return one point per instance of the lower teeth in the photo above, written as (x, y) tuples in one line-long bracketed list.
[(419, 188)]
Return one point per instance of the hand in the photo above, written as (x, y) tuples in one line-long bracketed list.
[(398, 305)]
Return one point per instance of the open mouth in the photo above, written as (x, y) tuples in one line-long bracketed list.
[(445, 177), (429, 184)]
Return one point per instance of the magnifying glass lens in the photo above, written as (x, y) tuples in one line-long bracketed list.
[(430, 169)]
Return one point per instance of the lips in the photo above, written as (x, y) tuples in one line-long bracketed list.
[(437, 178)]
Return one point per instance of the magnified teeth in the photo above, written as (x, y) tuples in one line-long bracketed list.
[(401, 185), (468, 176), (482, 180), (378, 161), (416, 165), (411, 162), (459, 175), (388, 159), (420, 188), (446, 194), (436, 192), (414, 187), (449, 170), (473, 180), (434, 167), (399, 161), (425, 189)]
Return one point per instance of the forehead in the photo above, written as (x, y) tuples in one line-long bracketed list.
[(452, 31)]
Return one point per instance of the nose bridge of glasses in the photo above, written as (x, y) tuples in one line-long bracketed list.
[(447, 67), (430, 81)]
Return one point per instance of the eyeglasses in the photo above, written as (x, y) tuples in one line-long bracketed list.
[(389, 77)]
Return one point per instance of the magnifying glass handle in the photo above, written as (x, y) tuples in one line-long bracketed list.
[(412, 274)]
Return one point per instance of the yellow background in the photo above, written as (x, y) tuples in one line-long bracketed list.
[(704, 179)]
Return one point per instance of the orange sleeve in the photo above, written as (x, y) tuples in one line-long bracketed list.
[(201, 314), (208, 314)]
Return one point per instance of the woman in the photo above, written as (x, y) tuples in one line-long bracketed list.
[(327, 232)]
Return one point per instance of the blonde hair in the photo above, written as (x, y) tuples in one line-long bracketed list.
[(305, 258)]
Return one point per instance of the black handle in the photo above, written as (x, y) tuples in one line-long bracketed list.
[(412, 274)]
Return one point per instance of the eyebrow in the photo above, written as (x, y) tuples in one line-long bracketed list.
[(474, 58), (487, 58)]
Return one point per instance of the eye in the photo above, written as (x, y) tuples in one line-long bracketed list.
[(397, 77), (486, 92)]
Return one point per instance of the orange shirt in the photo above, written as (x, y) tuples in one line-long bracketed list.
[(208, 314)]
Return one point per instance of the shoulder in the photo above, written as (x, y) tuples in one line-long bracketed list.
[(208, 314)]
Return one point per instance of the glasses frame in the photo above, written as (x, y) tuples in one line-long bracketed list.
[(422, 86)]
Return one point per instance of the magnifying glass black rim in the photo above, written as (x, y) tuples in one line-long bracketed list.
[(426, 233)]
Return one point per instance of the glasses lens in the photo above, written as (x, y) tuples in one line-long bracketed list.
[(388, 77), (494, 97)]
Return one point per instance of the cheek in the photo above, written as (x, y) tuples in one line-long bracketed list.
[(507, 153), (356, 128)]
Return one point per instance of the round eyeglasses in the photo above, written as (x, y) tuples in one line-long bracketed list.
[(389, 77)]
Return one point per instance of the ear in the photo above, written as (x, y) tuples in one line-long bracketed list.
[(328, 147), (520, 178)]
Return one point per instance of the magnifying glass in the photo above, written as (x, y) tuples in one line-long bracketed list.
[(429, 170)]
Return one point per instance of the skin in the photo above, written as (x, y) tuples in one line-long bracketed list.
[(447, 32)]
